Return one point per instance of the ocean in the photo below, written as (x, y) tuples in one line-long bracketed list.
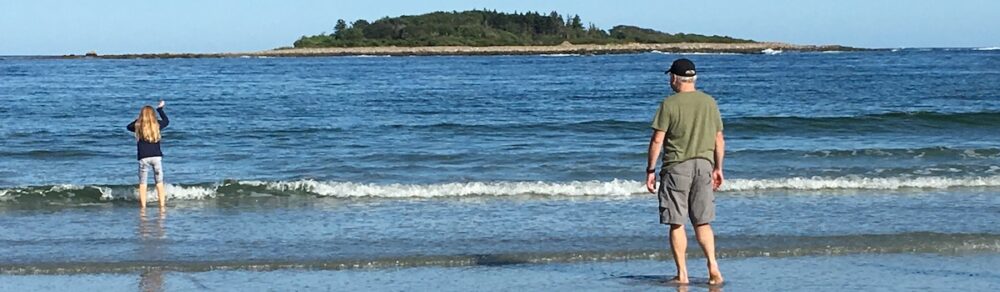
[(873, 170)]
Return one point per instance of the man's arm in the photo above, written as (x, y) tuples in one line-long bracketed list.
[(720, 155), (655, 144)]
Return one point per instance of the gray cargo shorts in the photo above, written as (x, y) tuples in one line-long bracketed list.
[(145, 164), (686, 190)]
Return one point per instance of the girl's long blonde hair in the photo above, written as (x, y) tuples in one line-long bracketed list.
[(147, 128)]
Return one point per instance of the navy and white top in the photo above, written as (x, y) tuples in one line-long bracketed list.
[(147, 149)]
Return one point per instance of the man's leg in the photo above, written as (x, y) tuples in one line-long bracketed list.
[(674, 187), (702, 213), (678, 244), (706, 238)]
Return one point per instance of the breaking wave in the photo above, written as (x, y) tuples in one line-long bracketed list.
[(82, 194)]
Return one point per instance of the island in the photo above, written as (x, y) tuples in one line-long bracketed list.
[(481, 28), (486, 32)]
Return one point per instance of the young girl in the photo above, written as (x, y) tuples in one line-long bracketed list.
[(147, 135)]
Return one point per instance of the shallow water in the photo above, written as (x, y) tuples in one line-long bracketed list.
[(275, 233), (899, 272)]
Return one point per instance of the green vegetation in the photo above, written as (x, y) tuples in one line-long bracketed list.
[(490, 28)]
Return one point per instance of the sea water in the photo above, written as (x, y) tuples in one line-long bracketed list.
[(450, 172)]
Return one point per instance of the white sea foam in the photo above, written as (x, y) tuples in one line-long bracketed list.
[(178, 192), (691, 53), (861, 183), (370, 56), (614, 188), (349, 189), (560, 55), (611, 188), (987, 49)]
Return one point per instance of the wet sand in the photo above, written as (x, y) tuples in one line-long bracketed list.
[(885, 272)]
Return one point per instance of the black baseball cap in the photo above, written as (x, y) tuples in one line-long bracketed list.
[(682, 67)]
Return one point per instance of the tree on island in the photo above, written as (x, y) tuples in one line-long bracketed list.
[(340, 27), (490, 28)]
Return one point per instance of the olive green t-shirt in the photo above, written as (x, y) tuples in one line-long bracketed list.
[(691, 121)]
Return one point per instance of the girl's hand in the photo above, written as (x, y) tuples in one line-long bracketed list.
[(161, 104)]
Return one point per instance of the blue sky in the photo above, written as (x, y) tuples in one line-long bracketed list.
[(34, 27)]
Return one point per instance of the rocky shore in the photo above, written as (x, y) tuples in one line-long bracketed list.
[(566, 48)]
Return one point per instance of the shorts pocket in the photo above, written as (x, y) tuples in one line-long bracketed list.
[(679, 182)]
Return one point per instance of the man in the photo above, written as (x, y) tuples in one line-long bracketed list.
[(690, 123)]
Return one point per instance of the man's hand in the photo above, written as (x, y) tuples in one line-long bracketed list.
[(162, 103), (720, 155), (651, 182), (655, 145), (717, 179)]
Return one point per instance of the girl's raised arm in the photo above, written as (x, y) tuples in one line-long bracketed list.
[(164, 120)]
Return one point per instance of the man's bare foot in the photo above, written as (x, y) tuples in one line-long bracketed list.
[(714, 275), (678, 280), (715, 278)]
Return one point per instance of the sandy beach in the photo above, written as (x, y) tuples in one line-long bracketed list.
[(566, 48)]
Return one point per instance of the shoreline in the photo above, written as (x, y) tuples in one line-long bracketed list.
[(586, 49)]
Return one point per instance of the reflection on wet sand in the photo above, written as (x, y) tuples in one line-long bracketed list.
[(711, 288), (665, 280), (151, 235)]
